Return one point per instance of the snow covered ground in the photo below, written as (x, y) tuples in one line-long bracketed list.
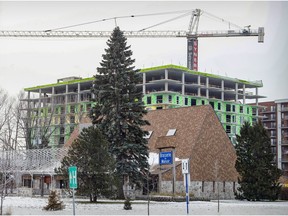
[(33, 206)]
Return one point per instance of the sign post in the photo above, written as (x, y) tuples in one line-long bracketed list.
[(73, 182), (186, 171)]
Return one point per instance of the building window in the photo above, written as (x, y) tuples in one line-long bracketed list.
[(170, 98), (61, 140), (241, 109), (247, 110), (228, 107), (177, 99), (147, 136), (203, 102), (193, 102), (88, 107), (62, 110), (72, 119), (212, 104), (219, 106), (228, 129), (62, 130), (149, 100), (171, 132), (159, 99), (62, 120), (160, 107), (233, 119), (71, 129), (203, 183), (186, 101), (233, 108), (228, 118), (72, 109)]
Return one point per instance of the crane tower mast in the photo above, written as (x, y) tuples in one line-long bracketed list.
[(192, 35)]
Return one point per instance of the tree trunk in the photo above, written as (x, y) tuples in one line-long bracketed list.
[(126, 187)]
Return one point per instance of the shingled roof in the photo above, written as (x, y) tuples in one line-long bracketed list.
[(199, 136)]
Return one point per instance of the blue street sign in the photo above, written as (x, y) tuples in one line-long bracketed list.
[(165, 158)]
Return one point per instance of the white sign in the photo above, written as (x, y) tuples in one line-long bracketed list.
[(185, 166)]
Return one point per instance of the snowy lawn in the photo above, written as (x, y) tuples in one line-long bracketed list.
[(33, 206)]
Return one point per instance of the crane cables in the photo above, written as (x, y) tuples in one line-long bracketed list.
[(166, 21), (221, 19), (122, 17)]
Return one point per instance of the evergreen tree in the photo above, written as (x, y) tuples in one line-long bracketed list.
[(54, 202), (258, 176), (119, 109), (95, 165)]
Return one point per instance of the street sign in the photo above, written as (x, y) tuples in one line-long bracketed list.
[(185, 166), (73, 177), (165, 158)]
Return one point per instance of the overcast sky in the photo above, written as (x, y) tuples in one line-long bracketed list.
[(27, 62)]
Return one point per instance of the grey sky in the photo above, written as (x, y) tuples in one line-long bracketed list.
[(28, 62)]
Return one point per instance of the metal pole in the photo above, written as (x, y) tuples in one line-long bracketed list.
[(174, 172), (187, 194), (218, 196), (73, 202)]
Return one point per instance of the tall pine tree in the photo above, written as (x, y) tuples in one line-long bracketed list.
[(258, 176), (119, 109)]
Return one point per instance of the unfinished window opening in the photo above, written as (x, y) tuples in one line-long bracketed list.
[(186, 101), (219, 106), (228, 107), (203, 102), (171, 132), (159, 107), (72, 119), (72, 109), (228, 118), (62, 130), (193, 102), (148, 100), (228, 129), (159, 99), (61, 140), (241, 109), (212, 104), (148, 135)]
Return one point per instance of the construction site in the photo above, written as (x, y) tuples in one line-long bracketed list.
[(57, 112)]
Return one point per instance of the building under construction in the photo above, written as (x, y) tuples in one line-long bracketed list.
[(55, 110)]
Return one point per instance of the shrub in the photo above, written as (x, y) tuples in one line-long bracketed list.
[(284, 193)]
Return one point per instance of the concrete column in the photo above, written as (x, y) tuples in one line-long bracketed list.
[(236, 90), (53, 100), (256, 101), (222, 90), (199, 83), (207, 87), (244, 94), (183, 83), (144, 83), (166, 74), (66, 99), (78, 93)]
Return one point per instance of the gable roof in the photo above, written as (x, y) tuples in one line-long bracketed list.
[(199, 136)]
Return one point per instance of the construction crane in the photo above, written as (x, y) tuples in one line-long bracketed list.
[(192, 34)]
